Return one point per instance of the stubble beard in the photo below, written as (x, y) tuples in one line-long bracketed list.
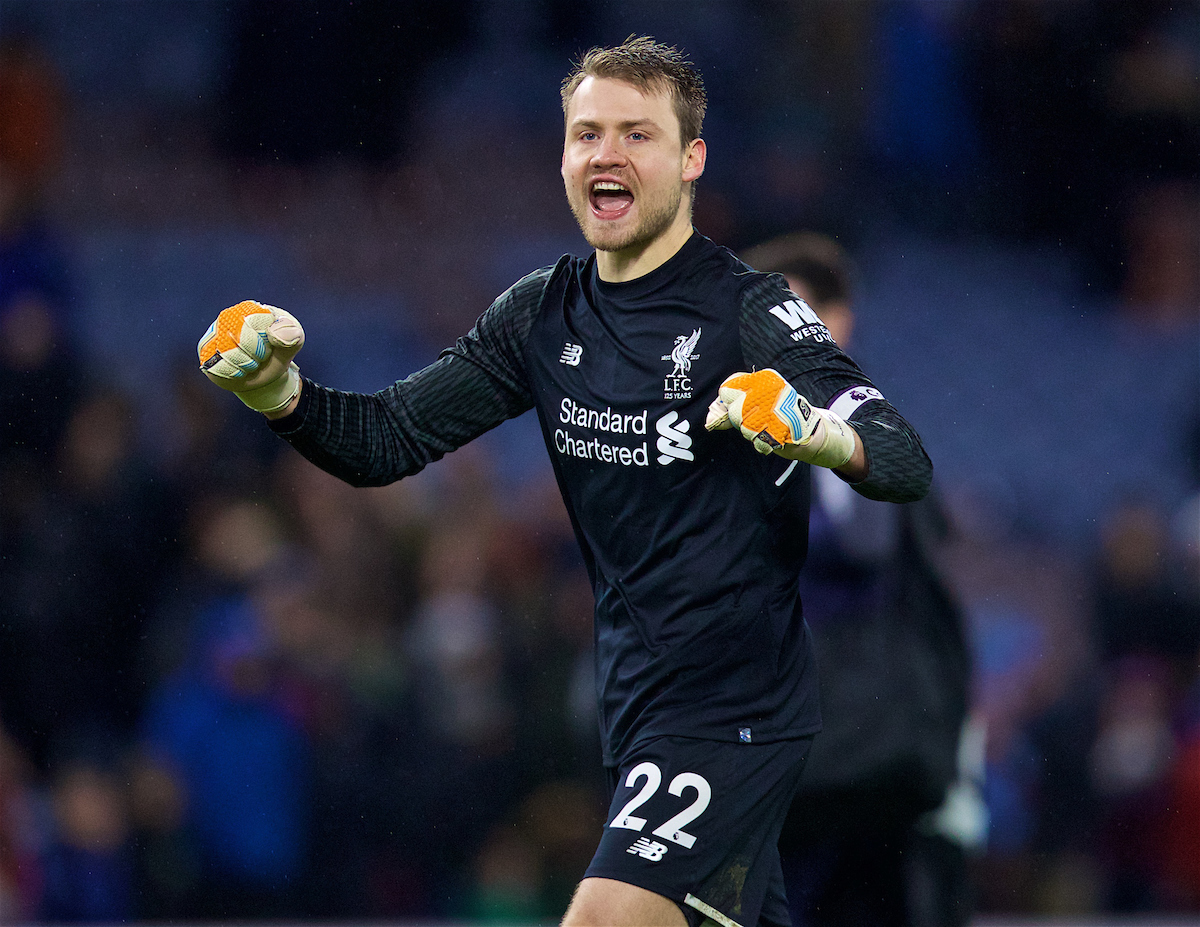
[(654, 220)]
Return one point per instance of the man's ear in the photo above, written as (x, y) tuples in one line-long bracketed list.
[(694, 157)]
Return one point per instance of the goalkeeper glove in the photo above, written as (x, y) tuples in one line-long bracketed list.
[(248, 350), (777, 419)]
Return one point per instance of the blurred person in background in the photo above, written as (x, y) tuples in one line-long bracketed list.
[(20, 863), (220, 727), (1129, 766), (1180, 836), (39, 365), (860, 845), (693, 541), (166, 860), (1144, 604), (88, 539), (1147, 635), (352, 680), (88, 867), (182, 444)]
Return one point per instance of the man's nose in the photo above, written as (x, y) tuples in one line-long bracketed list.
[(609, 152)]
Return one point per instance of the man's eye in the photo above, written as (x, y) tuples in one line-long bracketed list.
[(588, 136), (637, 136)]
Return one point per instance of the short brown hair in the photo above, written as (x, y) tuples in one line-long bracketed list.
[(649, 66), (814, 259)]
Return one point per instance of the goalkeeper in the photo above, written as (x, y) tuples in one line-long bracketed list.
[(682, 398)]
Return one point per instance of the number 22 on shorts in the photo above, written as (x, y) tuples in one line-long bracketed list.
[(672, 829)]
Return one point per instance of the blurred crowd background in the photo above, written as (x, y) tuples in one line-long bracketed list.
[(225, 677)]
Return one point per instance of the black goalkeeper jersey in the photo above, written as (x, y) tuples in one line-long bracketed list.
[(693, 541)]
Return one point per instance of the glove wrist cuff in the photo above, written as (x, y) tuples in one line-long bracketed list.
[(274, 395), (836, 443)]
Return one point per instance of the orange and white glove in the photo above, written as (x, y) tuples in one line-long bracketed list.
[(777, 420), (248, 350)]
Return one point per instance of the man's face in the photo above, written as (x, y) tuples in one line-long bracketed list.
[(624, 165)]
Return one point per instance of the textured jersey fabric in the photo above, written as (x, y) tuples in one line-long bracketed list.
[(693, 540)]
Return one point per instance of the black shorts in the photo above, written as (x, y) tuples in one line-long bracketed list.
[(698, 821)]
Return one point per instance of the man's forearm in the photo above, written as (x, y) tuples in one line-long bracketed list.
[(855, 469), (897, 467)]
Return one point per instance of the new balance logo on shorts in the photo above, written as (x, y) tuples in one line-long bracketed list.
[(648, 849)]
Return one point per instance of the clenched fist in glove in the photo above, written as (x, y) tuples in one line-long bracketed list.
[(777, 419), (248, 350)]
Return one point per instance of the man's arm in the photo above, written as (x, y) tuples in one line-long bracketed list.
[(777, 420), (377, 438), (898, 469), (886, 460), (854, 470)]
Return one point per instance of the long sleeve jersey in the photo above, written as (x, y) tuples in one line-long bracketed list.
[(693, 541)]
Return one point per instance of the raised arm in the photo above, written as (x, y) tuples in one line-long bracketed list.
[(370, 439), (850, 427), (377, 438)]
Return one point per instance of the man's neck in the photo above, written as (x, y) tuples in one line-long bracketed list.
[(631, 263)]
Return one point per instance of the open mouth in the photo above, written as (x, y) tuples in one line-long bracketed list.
[(609, 199)]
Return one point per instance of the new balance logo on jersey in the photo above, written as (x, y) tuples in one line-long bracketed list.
[(571, 354), (648, 849), (800, 318), (673, 442)]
